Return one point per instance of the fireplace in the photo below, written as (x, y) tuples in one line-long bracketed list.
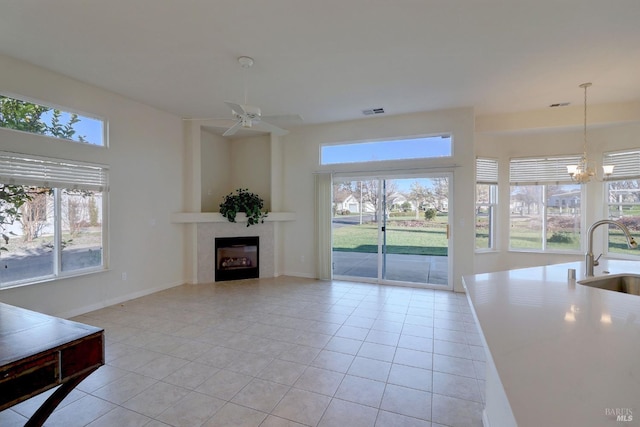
[(237, 258)]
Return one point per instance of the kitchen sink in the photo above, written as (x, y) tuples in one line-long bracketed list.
[(626, 283)]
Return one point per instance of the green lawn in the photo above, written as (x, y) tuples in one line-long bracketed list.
[(418, 238)]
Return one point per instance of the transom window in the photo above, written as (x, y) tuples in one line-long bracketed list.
[(376, 151), (28, 116)]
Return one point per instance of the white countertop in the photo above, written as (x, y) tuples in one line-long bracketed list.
[(566, 354)]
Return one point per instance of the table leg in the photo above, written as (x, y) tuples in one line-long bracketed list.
[(49, 405)]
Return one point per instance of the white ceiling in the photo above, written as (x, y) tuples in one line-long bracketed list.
[(327, 60)]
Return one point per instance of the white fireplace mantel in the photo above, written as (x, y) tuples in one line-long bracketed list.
[(198, 217)]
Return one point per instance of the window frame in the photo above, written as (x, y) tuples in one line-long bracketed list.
[(626, 168), (104, 133), (60, 182), (544, 171), (322, 163), (487, 174)]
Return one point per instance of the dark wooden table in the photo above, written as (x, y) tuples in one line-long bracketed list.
[(39, 352)]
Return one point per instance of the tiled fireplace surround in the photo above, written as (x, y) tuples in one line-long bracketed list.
[(207, 233)]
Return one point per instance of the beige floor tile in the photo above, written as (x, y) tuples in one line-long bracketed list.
[(453, 365), (9, 418), (120, 416), (192, 410), (344, 345), (250, 342), (190, 375), (232, 415), (261, 395), (407, 401), (369, 368), (416, 343), (123, 389), (224, 384), (80, 413), (302, 406), (454, 412), (332, 360), (273, 421), (156, 399), (415, 358), (456, 386), (282, 372), (377, 351), (319, 380), (412, 377), (361, 390), (343, 413), (383, 337), (450, 348), (390, 419), (300, 354)]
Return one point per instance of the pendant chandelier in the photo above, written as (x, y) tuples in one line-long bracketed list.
[(584, 171)]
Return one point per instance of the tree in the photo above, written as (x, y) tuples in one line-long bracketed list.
[(441, 194), (27, 117), (12, 198), (33, 212), (371, 194), (21, 115), (422, 197)]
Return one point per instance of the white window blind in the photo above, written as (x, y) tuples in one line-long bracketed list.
[(541, 170), (486, 171), (627, 164), (23, 169)]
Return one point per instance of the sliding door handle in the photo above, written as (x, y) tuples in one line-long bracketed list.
[(448, 234)]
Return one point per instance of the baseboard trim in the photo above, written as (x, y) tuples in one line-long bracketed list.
[(116, 300)]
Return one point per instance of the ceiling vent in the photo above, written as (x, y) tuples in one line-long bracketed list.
[(560, 104), (372, 111)]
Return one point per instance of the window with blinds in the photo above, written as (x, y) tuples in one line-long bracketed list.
[(545, 205), (53, 218), (626, 164), (21, 169), (541, 170), (486, 203), (622, 199)]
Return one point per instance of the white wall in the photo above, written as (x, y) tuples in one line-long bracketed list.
[(251, 166), (301, 159), (146, 176), (216, 170), (617, 128)]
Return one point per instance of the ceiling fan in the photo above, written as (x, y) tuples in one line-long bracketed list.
[(250, 117)]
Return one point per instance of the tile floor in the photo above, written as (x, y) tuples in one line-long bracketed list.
[(281, 352)]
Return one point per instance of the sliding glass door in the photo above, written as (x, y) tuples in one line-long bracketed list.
[(392, 229)]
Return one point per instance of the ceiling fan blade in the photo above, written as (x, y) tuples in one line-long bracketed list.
[(237, 108), (268, 127), (233, 129)]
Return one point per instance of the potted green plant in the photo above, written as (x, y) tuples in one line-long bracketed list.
[(243, 201)]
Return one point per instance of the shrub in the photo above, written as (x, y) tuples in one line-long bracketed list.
[(560, 237), (430, 214)]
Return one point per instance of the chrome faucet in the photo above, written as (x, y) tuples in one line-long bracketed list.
[(590, 262)]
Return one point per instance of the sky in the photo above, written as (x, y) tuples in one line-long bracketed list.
[(89, 128), (402, 149)]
